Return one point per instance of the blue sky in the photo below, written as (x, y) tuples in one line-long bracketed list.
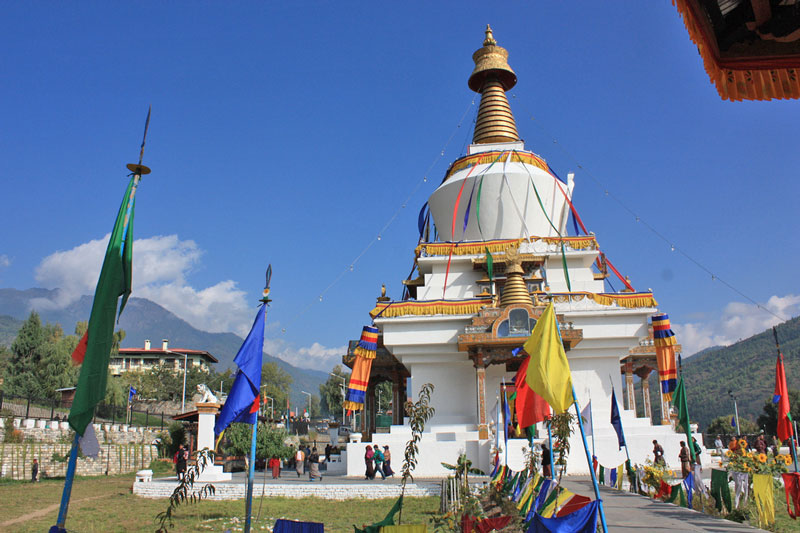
[(292, 133)]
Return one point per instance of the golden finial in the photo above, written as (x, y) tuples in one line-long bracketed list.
[(489, 37), (492, 77)]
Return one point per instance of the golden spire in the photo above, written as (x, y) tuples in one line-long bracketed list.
[(492, 77), (515, 291)]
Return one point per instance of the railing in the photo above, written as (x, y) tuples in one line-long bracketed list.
[(30, 407)]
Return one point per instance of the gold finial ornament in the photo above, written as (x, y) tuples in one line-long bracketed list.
[(515, 290), (492, 77)]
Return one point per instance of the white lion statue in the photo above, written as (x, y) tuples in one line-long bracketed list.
[(208, 395)]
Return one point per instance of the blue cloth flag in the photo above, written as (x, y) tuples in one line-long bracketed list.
[(131, 392), (542, 496), (290, 526), (688, 484), (247, 384), (733, 419), (584, 520), (616, 420)]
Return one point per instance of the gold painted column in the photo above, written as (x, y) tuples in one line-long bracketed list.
[(480, 375), (646, 397), (629, 385)]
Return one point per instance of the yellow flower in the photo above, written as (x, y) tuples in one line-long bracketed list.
[(787, 459), (742, 444), (762, 457), (779, 457), (728, 453)]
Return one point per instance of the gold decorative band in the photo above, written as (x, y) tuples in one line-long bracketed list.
[(480, 247), (489, 157), (430, 307)]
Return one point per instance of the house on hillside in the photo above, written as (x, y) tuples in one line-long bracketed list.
[(143, 359)]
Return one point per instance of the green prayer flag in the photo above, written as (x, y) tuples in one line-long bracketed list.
[(720, 489), (602, 475), (388, 521), (114, 281), (489, 264), (679, 401)]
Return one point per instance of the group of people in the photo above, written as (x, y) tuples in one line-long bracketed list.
[(762, 444), (307, 458), (684, 456), (378, 462)]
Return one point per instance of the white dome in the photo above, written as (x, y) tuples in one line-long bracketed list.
[(509, 208)]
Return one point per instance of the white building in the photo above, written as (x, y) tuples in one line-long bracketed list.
[(143, 359), (458, 330)]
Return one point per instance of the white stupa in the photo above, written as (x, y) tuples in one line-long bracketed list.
[(460, 326)]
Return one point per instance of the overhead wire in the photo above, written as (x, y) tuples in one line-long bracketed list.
[(351, 266), (673, 247)]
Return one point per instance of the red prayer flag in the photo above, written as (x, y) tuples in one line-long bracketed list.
[(782, 398), (664, 490), (791, 483), (575, 503), (531, 408), (80, 349)]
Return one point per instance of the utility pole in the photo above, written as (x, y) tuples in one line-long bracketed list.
[(736, 412)]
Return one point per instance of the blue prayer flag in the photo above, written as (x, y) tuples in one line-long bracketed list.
[(733, 422), (239, 407), (584, 520), (131, 392), (506, 418), (616, 420)]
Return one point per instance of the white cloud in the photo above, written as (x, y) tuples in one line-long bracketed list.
[(5, 261), (738, 321), (160, 269), (316, 356)]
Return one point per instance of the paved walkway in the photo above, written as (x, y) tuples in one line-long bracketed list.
[(625, 512)]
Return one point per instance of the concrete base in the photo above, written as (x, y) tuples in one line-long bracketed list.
[(214, 473)]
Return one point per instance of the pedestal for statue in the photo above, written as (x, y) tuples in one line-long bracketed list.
[(206, 418)]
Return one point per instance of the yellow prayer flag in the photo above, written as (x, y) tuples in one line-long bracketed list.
[(557, 504), (548, 369), (620, 474), (765, 504)]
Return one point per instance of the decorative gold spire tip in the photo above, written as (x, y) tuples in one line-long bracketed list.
[(489, 37)]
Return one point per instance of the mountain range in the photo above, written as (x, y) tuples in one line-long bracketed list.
[(144, 319), (744, 370)]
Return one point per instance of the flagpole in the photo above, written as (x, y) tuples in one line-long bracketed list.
[(591, 421), (505, 422), (589, 461), (251, 473), (550, 451), (62, 511)]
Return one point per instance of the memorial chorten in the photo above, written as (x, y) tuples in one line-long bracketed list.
[(502, 253)]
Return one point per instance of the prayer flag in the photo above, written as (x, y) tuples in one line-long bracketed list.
[(506, 418), (387, 521), (548, 372), (765, 503), (291, 526), (531, 408), (243, 399), (616, 420), (586, 415), (688, 484), (791, 484), (664, 341), (131, 392), (679, 401), (720, 490), (581, 521), (782, 399), (114, 281), (733, 420)]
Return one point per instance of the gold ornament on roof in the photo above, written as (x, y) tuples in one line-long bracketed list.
[(515, 290), (492, 77)]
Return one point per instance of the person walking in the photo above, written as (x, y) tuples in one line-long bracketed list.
[(35, 471), (275, 465), (658, 453), (368, 461), (379, 461), (761, 444), (686, 460), (180, 458), (387, 462), (299, 457), (328, 451), (697, 450), (313, 465), (547, 464)]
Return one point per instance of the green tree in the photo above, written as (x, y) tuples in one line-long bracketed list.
[(26, 354), (769, 420), (722, 426), (276, 383), (330, 392), (270, 441), (383, 396), (55, 369)]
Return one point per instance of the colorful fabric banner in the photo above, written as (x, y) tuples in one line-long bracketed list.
[(548, 372), (601, 476), (741, 488), (365, 352), (573, 504), (586, 415), (664, 341), (782, 399), (616, 420), (243, 400), (581, 521), (114, 281), (387, 521), (405, 528), (544, 493), (791, 484), (620, 476), (531, 408), (613, 478), (720, 490), (552, 506), (681, 405), (688, 484), (765, 502)]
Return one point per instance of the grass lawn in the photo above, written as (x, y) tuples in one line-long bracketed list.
[(106, 504)]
